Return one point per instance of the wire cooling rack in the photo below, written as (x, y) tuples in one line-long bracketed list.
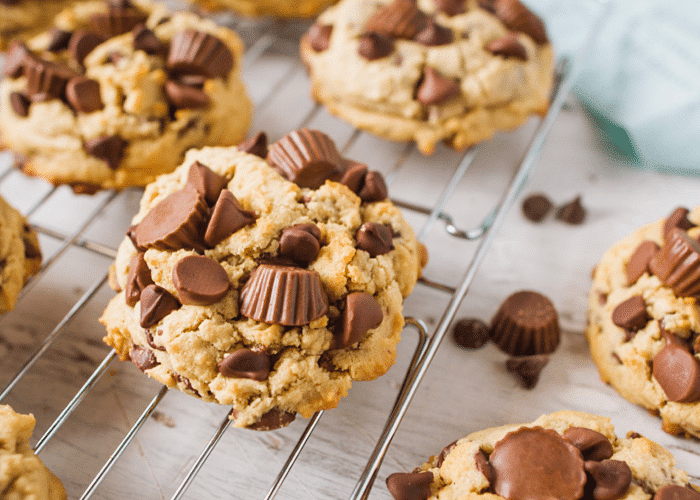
[(64, 376)]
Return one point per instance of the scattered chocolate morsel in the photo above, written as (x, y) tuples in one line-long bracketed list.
[(374, 238), (572, 212), (631, 314), (451, 7), (207, 182), (108, 148), (677, 264), (146, 40), (593, 445), (46, 80), (484, 466), (527, 369), (199, 53), (137, 280), (59, 40), (299, 245), (280, 295), (410, 485), (676, 492), (639, 262), (508, 46), (83, 94), (434, 34), (470, 333), (517, 17), (117, 20), (199, 280), (174, 223), (227, 217), (17, 53), (273, 420), (526, 324), (443, 454), (372, 45), (20, 104), (256, 145), (320, 36), (156, 304), (246, 363), (82, 43), (537, 464), (676, 370), (436, 88), (536, 207), (143, 358), (185, 96), (399, 19), (612, 478), (362, 313), (679, 219), (306, 157)]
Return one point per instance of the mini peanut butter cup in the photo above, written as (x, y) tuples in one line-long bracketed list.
[(399, 19), (283, 295), (45, 79), (118, 20), (526, 324), (677, 264), (199, 53)]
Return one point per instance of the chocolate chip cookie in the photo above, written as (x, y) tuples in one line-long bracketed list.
[(566, 455), (25, 18), (278, 8), (644, 319), (117, 91), (430, 70), (265, 278)]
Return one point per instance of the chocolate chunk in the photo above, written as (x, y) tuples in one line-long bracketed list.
[(612, 478), (83, 95), (676, 492), (82, 43), (443, 454), (593, 445), (174, 223), (256, 145), (362, 313), (372, 45), (299, 245), (137, 280), (151, 341), (146, 40), (451, 7), (508, 46), (227, 217), (434, 34), (536, 207), (118, 19), (375, 238), (679, 219), (410, 485), (273, 420), (527, 369), (281, 295), (185, 96), (537, 464), (59, 40), (399, 19), (20, 104), (572, 213), (319, 36), (143, 358), (46, 80), (156, 304), (631, 314), (306, 157), (517, 17), (436, 88), (109, 148), (199, 280), (207, 182), (639, 262), (677, 264), (17, 53), (526, 324), (245, 363), (676, 370), (199, 53), (484, 466), (470, 333)]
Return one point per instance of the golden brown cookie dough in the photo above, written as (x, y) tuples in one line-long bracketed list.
[(25, 18), (430, 71), (114, 96), (644, 322), (22, 475), (272, 290), (278, 8)]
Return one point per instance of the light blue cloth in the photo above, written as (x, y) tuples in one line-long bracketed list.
[(641, 82)]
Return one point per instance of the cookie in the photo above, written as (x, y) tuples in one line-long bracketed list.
[(565, 455), (430, 70), (268, 281), (22, 475), (644, 319), (117, 92), (20, 255), (25, 18), (277, 8)]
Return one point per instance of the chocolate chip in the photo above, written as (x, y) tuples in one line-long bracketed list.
[(146, 40), (151, 340), (508, 46), (199, 280), (536, 207), (676, 492), (156, 304), (354, 176), (639, 262), (676, 370), (82, 43), (410, 485), (527, 369), (83, 95), (631, 314), (375, 238), (17, 53), (20, 104), (436, 88), (593, 445), (273, 420), (109, 148), (245, 363), (227, 217), (184, 96), (399, 19), (434, 34), (443, 454), (369, 186), (372, 45), (538, 464), (612, 478), (46, 80), (137, 280), (299, 245), (470, 333), (572, 213), (451, 7), (362, 313), (186, 382), (526, 324), (206, 182), (319, 36), (256, 145), (677, 264), (679, 219), (517, 17), (484, 466), (199, 53), (59, 40), (143, 358)]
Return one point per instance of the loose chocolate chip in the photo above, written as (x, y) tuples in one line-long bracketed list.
[(593, 445), (83, 95), (227, 217), (517, 17), (246, 363), (639, 262), (676, 492), (527, 369), (436, 88), (536, 207), (362, 313), (526, 324), (319, 36), (207, 182), (46, 80), (185, 96), (156, 304), (676, 370), (451, 7), (410, 485), (273, 420), (143, 358), (17, 53), (399, 19), (20, 104), (537, 464), (434, 34), (82, 43), (299, 245), (312, 229), (373, 45), (199, 280), (572, 213), (373, 188), (146, 40), (109, 148), (631, 314), (508, 46), (612, 478), (59, 40), (679, 219), (484, 466), (677, 263), (199, 53), (256, 145), (374, 238), (470, 333), (137, 280)]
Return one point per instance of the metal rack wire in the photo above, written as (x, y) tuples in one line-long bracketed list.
[(426, 346)]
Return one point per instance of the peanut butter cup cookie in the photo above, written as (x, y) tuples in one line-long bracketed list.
[(644, 319), (430, 70), (117, 91), (278, 8), (264, 278)]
